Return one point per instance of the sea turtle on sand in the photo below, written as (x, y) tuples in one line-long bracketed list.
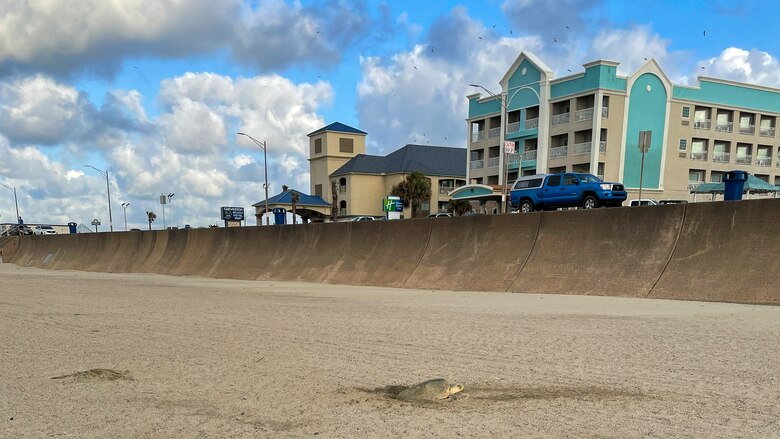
[(430, 390)]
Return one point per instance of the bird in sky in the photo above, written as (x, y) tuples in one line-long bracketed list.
[(705, 33), (567, 27), (510, 31), (555, 39)]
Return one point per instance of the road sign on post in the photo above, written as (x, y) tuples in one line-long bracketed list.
[(645, 138), (509, 147)]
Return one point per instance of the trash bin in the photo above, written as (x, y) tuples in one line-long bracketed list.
[(280, 215), (72, 227), (734, 182)]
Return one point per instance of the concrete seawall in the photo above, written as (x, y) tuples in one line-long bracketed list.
[(726, 251)]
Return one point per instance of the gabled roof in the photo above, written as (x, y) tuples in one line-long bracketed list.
[(286, 198), (339, 128), (430, 160), (533, 59)]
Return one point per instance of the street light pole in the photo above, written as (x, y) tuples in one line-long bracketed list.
[(108, 195), (124, 207), (16, 203), (505, 167), (170, 207), (262, 146)]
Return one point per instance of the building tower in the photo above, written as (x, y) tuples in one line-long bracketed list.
[(329, 148)]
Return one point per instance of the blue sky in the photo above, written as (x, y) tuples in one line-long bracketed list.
[(155, 91)]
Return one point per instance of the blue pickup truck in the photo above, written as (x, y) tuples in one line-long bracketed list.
[(551, 191)]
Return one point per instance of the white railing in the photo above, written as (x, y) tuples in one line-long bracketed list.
[(701, 124), (724, 127), (532, 123), (764, 161), (767, 132), (701, 155), (342, 189), (477, 164), (721, 157), (444, 190), (604, 111), (582, 148), (694, 184), (560, 119), (492, 162), (584, 114), (513, 127), (530, 155), (747, 129), (479, 135), (744, 160), (494, 132), (561, 151), (603, 146)]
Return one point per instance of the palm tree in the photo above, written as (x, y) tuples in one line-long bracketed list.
[(151, 217), (414, 190), (334, 206), (458, 207), (294, 200)]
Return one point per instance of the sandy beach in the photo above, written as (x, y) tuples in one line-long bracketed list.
[(192, 357)]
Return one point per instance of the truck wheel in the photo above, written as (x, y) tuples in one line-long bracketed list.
[(590, 202), (526, 206)]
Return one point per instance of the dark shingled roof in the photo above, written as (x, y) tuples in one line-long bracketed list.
[(286, 198), (338, 127), (430, 160)]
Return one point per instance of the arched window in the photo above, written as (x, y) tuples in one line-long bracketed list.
[(342, 207), (342, 185)]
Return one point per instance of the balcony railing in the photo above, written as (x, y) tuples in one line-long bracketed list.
[(494, 132), (701, 155), (530, 155), (721, 157), (532, 123), (560, 119), (342, 212), (767, 132), (492, 162), (479, 135), (604, 111), (584, 114), (560, 151), (744, 160), (603, 146), (694, 184), (342, 189), (444, 190), (582, 148), (764, 161), (701, 124), (477, 164), (513, 127), (724, 127), (747, 129)]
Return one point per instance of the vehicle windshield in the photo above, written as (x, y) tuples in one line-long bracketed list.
[(588, 178)]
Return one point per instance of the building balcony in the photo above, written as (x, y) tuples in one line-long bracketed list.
[(342, 212), (604, 112), (724, 127), (444, 190), (558, 152), (603, 147), (532, 123), (492, 162), (494, 132), (744, 160), (513, 127), (721, 157), (767, 132), (477, 164), (584, 114), (560, 119), (764, 161), (747, 129), (694, 184), (477, 136), (582, 148), (701, 155), (529, 155), (701, 124), (342, 189)]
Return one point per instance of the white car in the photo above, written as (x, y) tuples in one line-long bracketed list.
[(364, 218), (643, 202), (440, 215), (44, 230)]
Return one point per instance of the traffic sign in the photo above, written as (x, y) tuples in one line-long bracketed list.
[(645, 138), (509, 147)]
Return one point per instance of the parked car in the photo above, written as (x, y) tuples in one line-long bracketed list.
[(44, 230), (439, 215), (643, 202), (24, 230), (551, 191), (363, 218)]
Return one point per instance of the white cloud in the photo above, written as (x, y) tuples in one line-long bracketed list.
[(751, 66)]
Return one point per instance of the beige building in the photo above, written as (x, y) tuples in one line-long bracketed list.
[(362, 181), (590, 122)]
